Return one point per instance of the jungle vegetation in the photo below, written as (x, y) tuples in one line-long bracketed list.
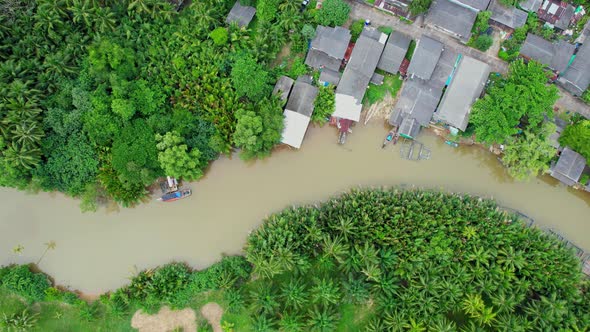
[(370, 260), (99, 98)]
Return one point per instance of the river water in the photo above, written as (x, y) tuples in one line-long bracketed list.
[(98, 252)]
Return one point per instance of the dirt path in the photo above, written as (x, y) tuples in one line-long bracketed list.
[(212, 313), (165, 320)]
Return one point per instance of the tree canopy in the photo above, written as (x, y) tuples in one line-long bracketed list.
[(513, 103), (81, 79), (529, 154), (577, 137)]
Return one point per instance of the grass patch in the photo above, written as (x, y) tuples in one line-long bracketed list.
[(411, 49), (375, 93), (385, 30), (370, 2)]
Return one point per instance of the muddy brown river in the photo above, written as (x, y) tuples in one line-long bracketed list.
[(98, 252)]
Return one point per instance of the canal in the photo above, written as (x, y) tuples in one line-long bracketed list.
[(100, 251)]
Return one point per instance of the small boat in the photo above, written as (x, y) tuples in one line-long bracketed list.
[(451, 143), (174, 196), (388, 138)]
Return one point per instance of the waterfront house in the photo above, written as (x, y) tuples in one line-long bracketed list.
[(466, 86), (452, 18), (358, 73), (569, 167), (556, 13), (298, 113), (425, 58), (577, 76), (556, 55), (394, 52), (419, 97), (283, 87), (506, 18), (328, 47), (241, 15)]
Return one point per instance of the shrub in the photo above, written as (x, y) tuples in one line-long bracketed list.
[(219, 36), (333, 13), (308, 31), (19, 321), (161, 285), (385, 29), (325, 104), (22, 281), (483, 42), (355, 29)]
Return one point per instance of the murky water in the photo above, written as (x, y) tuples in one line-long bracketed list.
[(98, 252)]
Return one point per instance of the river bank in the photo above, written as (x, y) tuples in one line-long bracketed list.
[(98, 252)]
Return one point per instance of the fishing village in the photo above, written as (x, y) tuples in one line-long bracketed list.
[(295, 165)]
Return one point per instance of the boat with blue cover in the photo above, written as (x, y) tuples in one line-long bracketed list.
[(176, 195)]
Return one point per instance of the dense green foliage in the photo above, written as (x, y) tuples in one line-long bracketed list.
[(356, 28), (87, 85), (483, 42), (333, 13), (20, 280), (529, 154), (259, 130), (511, 46), (371, 260), (516, 102), (418, 7), (577, 137), (325, 105), (414, 261)]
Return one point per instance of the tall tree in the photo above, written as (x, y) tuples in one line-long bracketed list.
[(249, 78), (519, 101), (176, 159), (529, 154)]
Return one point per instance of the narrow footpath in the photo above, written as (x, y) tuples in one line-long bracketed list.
[(360, 11)]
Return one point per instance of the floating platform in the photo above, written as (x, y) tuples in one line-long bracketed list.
[(414, 150)]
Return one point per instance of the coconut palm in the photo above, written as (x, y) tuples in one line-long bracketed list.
[(294, 294), (325, 291), (21, 156), (322, 319)]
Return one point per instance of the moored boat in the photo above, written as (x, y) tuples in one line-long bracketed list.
[(174, 196), (453, 144)]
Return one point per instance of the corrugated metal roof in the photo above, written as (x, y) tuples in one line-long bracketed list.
[(466, 86), (394, 52), (425, 57), (242, 15)]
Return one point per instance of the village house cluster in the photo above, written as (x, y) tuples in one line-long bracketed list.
[(440, 84)]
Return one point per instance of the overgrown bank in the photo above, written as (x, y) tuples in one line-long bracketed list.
[(372, 260)]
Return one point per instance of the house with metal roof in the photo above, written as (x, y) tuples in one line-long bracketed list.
[(298, 113), (569, 167), (394, 52), (241, 15), (530, 6), (576, 78), (328, 47), (425, 57), (465, 88), (507, 18), (329, 76), (283, 87), (357, 75), (451, 18), (556, 13), (419, 98), (475, 5), (556, 55)]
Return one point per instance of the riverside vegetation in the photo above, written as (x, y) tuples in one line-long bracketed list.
[(99, 98), (370, 260)]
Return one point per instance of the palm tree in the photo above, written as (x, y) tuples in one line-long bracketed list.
[(325, 292), (291, 323), (294, 294), (263, 300), (82, 12), (441, 324), (48, 246), (21, 156), (27, 134), (335, 248), (322, 320), (345, 227), (104, 19)]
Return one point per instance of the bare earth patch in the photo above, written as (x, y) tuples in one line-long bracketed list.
[(165, 320), (212, 313)]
